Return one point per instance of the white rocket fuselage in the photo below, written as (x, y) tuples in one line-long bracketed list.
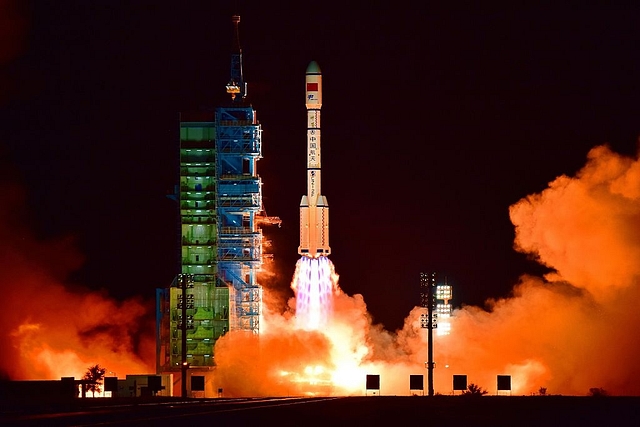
[(314, 209)]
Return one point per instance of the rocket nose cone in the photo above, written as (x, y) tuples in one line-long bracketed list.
[(313, 68)]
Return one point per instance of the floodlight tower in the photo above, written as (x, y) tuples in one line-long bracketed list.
[(435, 298), (427, 285), (444, 293)]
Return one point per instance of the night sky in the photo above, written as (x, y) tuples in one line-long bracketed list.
[(434, 122)]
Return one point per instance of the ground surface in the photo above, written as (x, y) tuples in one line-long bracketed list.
[(350, 411)]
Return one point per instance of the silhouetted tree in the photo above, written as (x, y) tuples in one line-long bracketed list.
[(474, 390), (542, 391), (95, 374), (597, 392)]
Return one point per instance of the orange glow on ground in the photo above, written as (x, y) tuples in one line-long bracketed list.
[(567, 332)]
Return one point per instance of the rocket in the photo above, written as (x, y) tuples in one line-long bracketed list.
[(314, 209)]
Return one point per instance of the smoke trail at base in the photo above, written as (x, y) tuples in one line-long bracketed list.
[(568, 331), (550, 332), (51, 330), (313, 284)]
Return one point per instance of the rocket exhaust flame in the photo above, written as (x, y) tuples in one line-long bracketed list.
[(549, 333), (313, 285)]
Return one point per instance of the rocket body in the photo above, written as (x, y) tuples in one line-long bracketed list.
[(314, 209)]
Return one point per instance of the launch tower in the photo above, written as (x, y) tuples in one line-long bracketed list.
[(220, 202)]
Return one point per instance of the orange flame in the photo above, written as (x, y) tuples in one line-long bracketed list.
[(566, 332)]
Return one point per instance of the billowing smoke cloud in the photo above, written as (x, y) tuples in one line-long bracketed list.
[(49, 330), (567, 332), (288, 360), (587, 228), (574, 328)]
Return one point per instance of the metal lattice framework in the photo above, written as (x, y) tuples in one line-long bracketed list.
[(239, 203)]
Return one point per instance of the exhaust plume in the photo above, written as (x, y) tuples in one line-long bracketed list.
[(567, 331), (51, 330)]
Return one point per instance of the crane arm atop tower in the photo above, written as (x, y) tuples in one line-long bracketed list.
[(236, 86)]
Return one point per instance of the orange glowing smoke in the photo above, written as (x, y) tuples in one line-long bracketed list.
[(575, 328), (290, 359), (569, 331), (50, 331), (47, 330)]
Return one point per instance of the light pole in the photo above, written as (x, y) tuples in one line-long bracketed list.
[(428, 321), (185, 283)]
